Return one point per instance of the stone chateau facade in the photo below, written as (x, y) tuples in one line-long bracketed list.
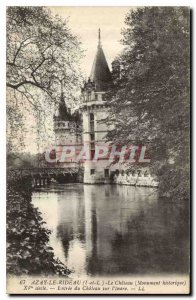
[(84, 127)]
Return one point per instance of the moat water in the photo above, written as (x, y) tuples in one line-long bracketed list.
[(112, 230)]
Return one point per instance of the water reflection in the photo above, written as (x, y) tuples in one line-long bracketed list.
[(100, 230)]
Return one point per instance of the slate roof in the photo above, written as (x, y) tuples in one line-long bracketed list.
[(100, 72), (62, 113)]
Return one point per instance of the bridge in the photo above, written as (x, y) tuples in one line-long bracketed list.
[(43, 176)]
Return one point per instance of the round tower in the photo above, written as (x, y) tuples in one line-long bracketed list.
[(68, 132), (94, 109)]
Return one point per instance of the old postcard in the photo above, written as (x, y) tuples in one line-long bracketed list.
[(98, 142)]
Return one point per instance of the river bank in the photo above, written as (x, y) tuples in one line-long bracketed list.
[(28, 250)]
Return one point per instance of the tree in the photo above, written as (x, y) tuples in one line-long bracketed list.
[(150, 102), (42, 56)]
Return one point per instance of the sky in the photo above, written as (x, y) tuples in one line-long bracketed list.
[(85, 22)]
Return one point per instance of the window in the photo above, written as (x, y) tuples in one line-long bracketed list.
[(89, 96), (106, 173), (92, 171), (91, 122), (96, 96), (91, 117), (92, 137), (92, 127), (92, 145), (139, 173), (92, 154), (116, 172)]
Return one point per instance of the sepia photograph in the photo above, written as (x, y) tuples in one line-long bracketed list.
[(98, 150)]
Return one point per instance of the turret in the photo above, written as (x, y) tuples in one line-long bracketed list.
[(67, 126), (62, 116), (95, 109), (100, 79)]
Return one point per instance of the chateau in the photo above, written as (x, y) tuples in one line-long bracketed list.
[(85, 127)]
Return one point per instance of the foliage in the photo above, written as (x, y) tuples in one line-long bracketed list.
[(42, 59), (28, 251), (150, 101), (23, 160)]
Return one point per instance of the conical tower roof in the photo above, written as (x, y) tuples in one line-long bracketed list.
[(100, 72), (62, 113)]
